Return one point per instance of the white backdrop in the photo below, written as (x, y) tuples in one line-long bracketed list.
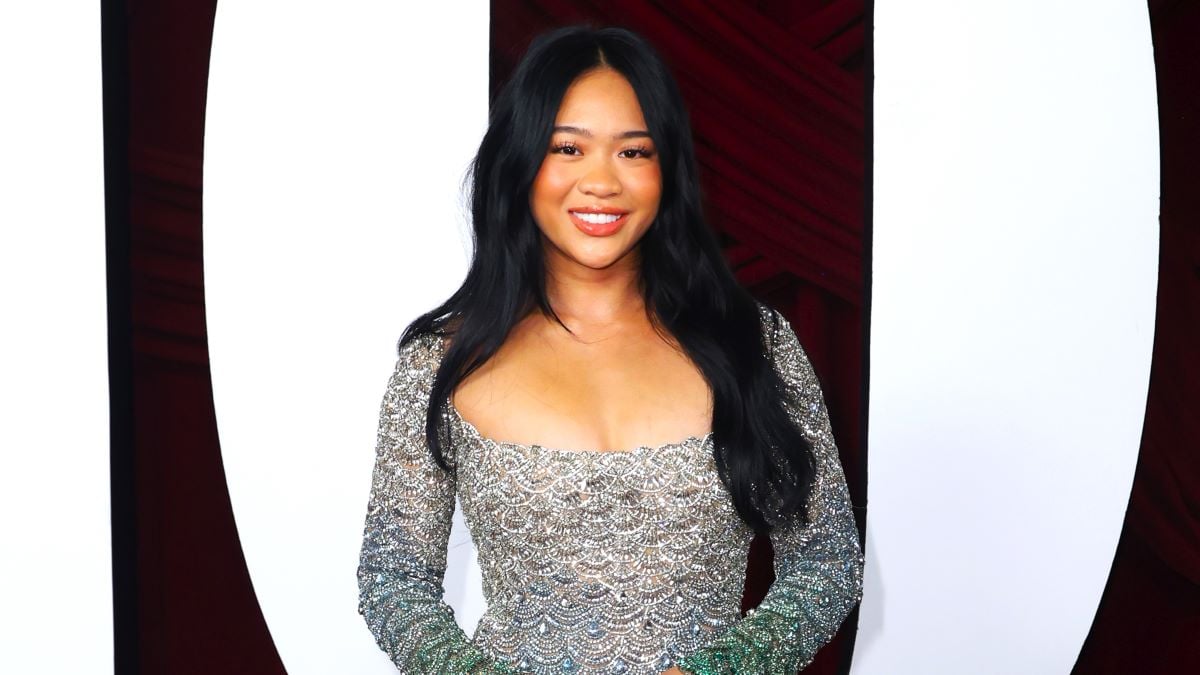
[(1015, 229), (1015, 264), (55, 560), (336, 140)]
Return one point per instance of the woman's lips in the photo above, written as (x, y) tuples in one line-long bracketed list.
[(599, 223)]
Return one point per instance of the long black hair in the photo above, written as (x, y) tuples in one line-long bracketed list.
[(764, 460)]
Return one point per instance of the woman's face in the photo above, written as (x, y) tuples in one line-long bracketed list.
[(599, 185)]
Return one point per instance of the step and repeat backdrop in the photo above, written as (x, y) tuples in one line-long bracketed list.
[(1012, 306), (956, 203)]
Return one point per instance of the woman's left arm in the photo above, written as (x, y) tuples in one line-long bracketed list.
[(818, 566)]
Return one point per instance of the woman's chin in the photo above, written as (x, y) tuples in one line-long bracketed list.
[(597, 262), (602, 257), (594, 254)]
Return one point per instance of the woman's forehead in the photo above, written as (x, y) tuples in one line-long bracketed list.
[(600, 103)]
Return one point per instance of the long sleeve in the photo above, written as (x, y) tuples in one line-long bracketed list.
[(818, 567), (403, 558)]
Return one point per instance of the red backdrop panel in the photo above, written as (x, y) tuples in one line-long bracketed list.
[(196, 609)]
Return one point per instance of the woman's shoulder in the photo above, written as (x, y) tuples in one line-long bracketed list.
[(780, 341), (771, 321), (767, 316), (420, 354)]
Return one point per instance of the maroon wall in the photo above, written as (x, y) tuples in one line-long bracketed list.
[(193, 610)]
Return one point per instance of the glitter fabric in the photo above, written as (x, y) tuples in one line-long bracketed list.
[(596, 562)]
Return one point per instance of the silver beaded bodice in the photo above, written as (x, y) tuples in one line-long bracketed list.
[(595, 562), (609, 561)]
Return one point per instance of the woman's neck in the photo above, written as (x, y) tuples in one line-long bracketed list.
[(595, 300)]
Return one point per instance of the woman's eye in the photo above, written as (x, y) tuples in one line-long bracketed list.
[(636, 153), (566, 149)]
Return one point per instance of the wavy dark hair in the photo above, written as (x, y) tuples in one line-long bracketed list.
[(689, 290)]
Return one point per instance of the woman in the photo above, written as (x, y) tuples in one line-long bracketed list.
[(616, 415)]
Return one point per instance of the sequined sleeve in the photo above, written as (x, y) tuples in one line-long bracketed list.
[(403, 558), (818, 567)]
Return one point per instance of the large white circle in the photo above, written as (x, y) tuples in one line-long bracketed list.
[(1015, 232), (337, 136), (1015, 266)]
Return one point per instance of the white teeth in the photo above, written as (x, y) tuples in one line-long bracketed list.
[(596, 218)]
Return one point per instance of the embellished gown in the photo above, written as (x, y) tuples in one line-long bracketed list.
[(597, 562)]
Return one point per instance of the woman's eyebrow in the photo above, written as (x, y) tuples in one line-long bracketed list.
[(636, 133)]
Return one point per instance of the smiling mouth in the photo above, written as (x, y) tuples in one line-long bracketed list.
[(598, 218), (599, 223)]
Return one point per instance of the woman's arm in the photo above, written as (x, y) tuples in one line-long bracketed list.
[(818, 567), (403, 559)]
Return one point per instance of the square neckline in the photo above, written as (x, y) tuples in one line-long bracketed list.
[(531, 447), (440, 346)]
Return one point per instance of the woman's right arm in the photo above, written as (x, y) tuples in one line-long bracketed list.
[(403, 558)]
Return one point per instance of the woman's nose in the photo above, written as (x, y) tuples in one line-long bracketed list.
[(600, 180)]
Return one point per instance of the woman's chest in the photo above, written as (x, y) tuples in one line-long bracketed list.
[(591, 397)]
